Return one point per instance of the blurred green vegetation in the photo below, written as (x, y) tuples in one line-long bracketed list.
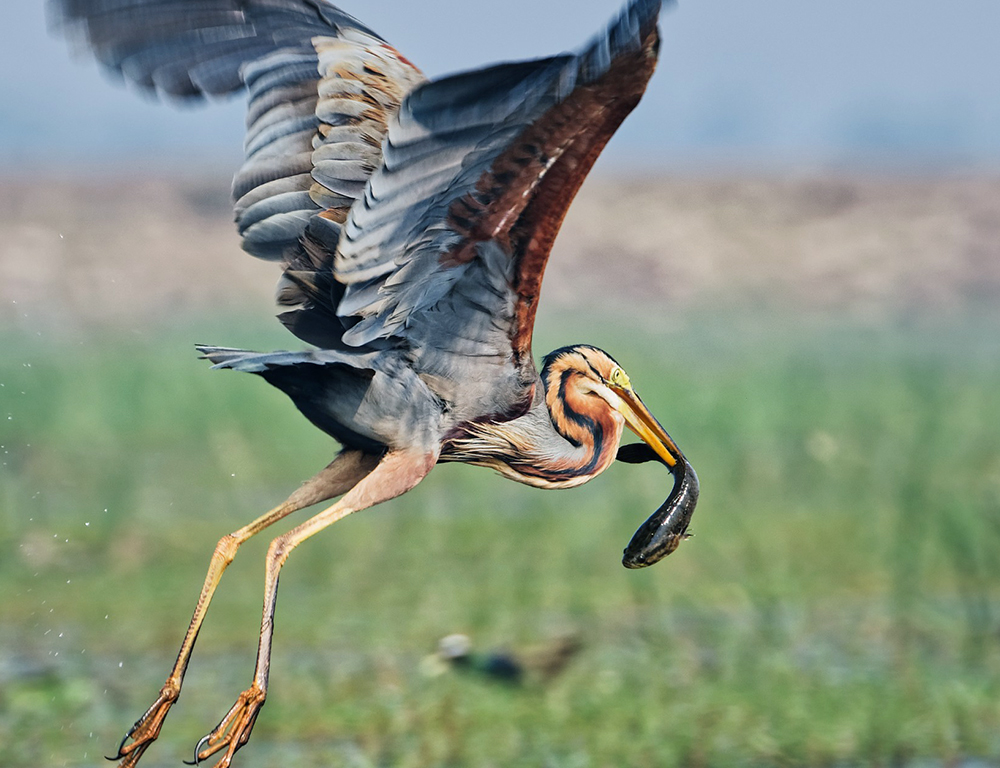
[(840, 602)]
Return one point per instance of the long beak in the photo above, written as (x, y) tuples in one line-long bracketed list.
[(667, 527), (644, 424)]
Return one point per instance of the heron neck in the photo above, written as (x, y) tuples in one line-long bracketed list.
[(533, 450), (586, 431)]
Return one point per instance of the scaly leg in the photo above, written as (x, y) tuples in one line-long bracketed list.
[(340, 475), (397, 473)]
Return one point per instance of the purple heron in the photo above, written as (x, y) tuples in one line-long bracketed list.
[(412, 219)]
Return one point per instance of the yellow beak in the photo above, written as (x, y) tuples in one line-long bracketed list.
[(644, 424)]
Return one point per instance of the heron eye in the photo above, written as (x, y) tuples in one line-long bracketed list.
[(620, 379)]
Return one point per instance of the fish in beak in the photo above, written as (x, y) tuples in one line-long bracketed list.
[(663, 532)]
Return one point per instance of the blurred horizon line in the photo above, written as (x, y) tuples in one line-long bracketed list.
[(205, 165), (741, 88)]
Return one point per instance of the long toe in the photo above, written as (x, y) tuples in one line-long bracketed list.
[(234, 731)]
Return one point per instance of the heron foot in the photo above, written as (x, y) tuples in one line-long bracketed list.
[(234, 730), (146, 728)]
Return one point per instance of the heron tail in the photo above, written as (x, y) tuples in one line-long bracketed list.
[(264, 362), (325, 385)]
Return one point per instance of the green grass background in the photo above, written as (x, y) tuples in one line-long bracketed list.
[(839, 604)]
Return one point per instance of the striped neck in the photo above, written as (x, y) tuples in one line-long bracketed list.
[(570, 434), (578, 415)]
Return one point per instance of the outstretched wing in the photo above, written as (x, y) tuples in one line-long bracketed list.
[(449, 243), (322, 87)]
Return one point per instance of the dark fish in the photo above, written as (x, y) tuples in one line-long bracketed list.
[(667, 527)]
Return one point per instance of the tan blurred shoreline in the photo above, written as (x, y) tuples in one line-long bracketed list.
[(107, 253)]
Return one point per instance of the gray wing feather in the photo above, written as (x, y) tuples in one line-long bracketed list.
[(321, 86)]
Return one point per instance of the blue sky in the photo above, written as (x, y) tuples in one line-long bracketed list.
[(759, 85)]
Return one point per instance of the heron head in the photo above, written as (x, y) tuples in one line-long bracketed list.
[(580, 377), (586, 382)]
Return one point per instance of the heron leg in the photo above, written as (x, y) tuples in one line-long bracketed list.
[(340, 475), (397, 473)]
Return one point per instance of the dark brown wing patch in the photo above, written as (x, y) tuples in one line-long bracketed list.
[(522, 200)]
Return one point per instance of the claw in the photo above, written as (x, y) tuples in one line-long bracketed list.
[(121, 752), (118, 752), (197, 750)]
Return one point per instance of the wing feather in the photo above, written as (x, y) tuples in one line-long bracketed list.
[(321, 88)]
